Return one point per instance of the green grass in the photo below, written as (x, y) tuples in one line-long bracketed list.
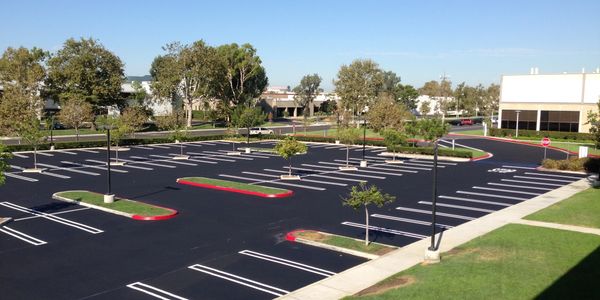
[(122, 205), (344, 242), (332, 132), (512, 262), (476, 153), (235, 185), (266, 150), (59, 132), (472, 132), (581, 209)]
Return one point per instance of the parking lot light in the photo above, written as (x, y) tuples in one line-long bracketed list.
[(432, 254), (363, 162), (108, 197)]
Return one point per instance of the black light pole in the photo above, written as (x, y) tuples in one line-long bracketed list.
[(434, 201), (52, 131), (108, 160), (364, 137)]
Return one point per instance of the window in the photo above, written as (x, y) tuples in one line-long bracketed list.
[(559, 121), (527, 119)]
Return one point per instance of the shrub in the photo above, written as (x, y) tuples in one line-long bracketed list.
[(590, 165), (560, 135), (429, 151)]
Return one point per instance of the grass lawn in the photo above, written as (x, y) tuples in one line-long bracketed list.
[(332, 132), (122, 205), (344, 242), (472, 132), (475, 153), (84, 131), (512, 262), (235, 185), (581, 209)]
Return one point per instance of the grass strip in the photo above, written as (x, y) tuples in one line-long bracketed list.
[(344, 242), (122, 205), (581, 209), (512, 262), (235, 185)]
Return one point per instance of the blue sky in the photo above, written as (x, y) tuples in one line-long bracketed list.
[(471, 41)]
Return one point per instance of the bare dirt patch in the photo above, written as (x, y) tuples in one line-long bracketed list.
[(388, 284), (311, 235)]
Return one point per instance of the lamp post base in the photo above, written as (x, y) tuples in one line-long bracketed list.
[(432, 256), (109, 198), (363, 163)]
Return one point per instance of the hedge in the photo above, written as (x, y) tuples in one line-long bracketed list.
[(561, 135), (588, 164), (429, 151)]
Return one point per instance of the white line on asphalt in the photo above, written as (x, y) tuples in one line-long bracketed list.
[(290, 263), (396, 168), (93, 167), (345, 173), (546, 179), (506, 191), (148, 163), (123, 166), (240, 280), (142, 147), (44, 154), (56, 213), (22, 236), (210, 157), (19, 155), (318, 175), (492, 195), (458, 206), (65, 151), (553, 175), (159, 146), (406, 220), (520, 186), (378, 150), (301, 180), (464, 146), (431, 162), (518, 167), (361, 170), (475, 201), (421, 164), (428, 212), (20, 177), (44, 173), (194, 160), (225, 155), (50, 217), (153, 291), (169, 159), (256, 180), (386, 230), (442, 145), (532, 182), (87, 150), (69, 169)]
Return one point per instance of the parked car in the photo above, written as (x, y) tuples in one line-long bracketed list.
[(260, 130), (466, 122)]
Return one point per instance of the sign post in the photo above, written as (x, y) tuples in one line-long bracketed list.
[(545, 143)]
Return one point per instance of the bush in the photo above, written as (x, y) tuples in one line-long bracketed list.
[(429, 151), (560, 135), (590, 165)]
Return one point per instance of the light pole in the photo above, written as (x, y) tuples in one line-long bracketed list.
[(363, 162), (432, 253), (109, 197), (517, 128), (52, 133)]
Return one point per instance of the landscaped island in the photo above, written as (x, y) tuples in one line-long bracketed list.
[(236, 187)]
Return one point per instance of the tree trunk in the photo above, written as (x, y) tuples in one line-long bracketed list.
[(248, 135), (347, 155), (189, 114), (311, 109), (35, 157), (290, 167), (77, 133), (116, 153), (367, 226)]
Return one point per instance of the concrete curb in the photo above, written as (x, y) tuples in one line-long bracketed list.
[(290, 236), (365, 275), (5, 220)]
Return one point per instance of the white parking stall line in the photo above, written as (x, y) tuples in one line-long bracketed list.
[(56, 213), (53, 218), (318, 145), (458, 206), (17, 167), (44, 154), (240, 280), (442, 145), (286, 262), (361, 170), (20, 177), (546, 179), (69, 169), (335, 147), (505, 191), (256, 180), (386, 230), (88, 151), (394, 168), (65, 151), (317, 175), (147, 163), (431, 162), (168, 159), (301, 180), (492, 195), (520, 186), (352, 148), (532, 182), (153, 291), (262, 154), (421, 164), (210, 157), (142, 147), (19, 155), (193, 145), (123, 166), (159, 146), (22, 236), (190, 159), (256, 156), (518, 167), (554, 175), (221, 142), (406, 220), (345, 173), (208, 143), (378, 150), (463, 145), (428, 212), (225, 155), (381, 158), (93, 167), (407, 166), (55, 175), (474, 200)]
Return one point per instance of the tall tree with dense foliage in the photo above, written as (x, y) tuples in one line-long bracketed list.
[(307, 91), (363, 196), (358, 84), (386, 113), (134, 117), (289, 147), (74, 113), (440, 91), (403, 94), (85, 69), (491, 99)]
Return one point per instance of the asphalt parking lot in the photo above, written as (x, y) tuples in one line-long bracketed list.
[(224, 245)]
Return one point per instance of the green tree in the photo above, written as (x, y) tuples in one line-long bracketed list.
[(439, 91), (425, 108), (134, 118), (174, 123), (491, 99), (118, 130), (139, 94), (358, 84), (246, 117), (432, 129), (363, 196), (593, 119), (394, 138), (348, 136), (31, 134), (403, 94), (407, 95), (385, 113), (328, 107), (74, 112), (4, 166), (306, 92), (289, 147)]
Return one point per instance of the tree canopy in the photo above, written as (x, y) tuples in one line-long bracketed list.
[(358, 84), (306, 92), (386, 113)]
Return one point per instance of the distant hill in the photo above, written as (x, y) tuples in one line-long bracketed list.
[(138, 78)]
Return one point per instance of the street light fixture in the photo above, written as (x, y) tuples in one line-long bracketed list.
[(109, 197), (517, 127), (432, 253)]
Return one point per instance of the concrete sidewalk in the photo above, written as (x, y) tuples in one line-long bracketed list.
[(365, 275)]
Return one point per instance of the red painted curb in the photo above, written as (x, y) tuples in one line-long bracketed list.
[(291, 236), (156, 218), (486, 156), (228, 189)]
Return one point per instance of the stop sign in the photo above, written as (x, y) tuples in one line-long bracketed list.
[(545, 142)]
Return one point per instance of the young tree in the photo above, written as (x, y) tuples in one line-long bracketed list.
[(289, 147), (174, 122), (247, 117), (432, 129), (306, 92), (74, 112), (328, 107), (118, 130), (386, 113), (363, 196), (425, 108), (31, 134), (593, 119), (133, 118), (348, 136), (394, 138), (358, 84), (4, 166), (139, 94)]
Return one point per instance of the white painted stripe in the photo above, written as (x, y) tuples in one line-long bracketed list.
[(240, 280), (87, 151), (193, 145), (50, 217), (17, 167), (443, 146), (20, 177), (22, 236), (475, 201), (256, 180), (317, 175), (422, 211), (505, 191), (287, 262), (65, 151), (153, 291), (301, 180), (142, 147), (69, 169), (168, 159), (386, 230), (431, 162), (532, 182), (190, 159), (554, 175), (93, 167), (378, 150), (159, 146), (520, 186), (406, 220), (458, 206), (463, 145), (395, 168), (55, 175), (518, 167), (540, 178), (422, 164), (361, 170), (210, 157), (381, 158), (56, 213), (148, 163), (255, 156), (19, 155), (123, 166), (44, 154), (218, 154), (492, 195), (345, 173)]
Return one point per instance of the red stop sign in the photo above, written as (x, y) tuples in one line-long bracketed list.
[(545, 142)]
